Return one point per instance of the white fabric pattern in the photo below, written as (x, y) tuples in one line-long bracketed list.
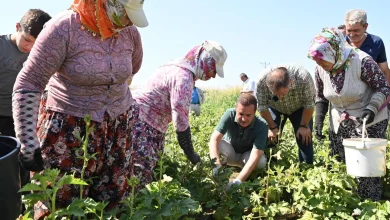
[(25, 107)]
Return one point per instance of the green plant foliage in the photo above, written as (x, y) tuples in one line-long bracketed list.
[(285, 190)]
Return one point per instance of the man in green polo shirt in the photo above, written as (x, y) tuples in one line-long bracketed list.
[(241, 138)]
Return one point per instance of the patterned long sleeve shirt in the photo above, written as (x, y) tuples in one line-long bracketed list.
[(87, 75), (166, 98), (301, 93), (370, 74)]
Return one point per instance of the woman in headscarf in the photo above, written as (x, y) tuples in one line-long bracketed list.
[(84, 56), (166, 98), (353, 83)]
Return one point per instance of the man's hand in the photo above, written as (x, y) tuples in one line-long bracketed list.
[(273, 135), (304, 134)]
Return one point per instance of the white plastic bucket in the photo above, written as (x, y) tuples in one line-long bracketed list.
[(365, 157)]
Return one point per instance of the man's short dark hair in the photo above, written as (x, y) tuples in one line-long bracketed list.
[(243, 75), (275, 83), (341, 27), (33, 20), (246, 100)]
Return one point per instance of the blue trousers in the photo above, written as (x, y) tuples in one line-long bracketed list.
[(305, 152)]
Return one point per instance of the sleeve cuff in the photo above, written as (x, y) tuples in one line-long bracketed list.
[(376, 101)]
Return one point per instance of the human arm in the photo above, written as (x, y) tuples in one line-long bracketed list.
[(180, 96), (321, 106), (385, 69), (220, 130), (375, 78), (254, 158), (262, 106), (215, 139), (259, 145), (304, 131), (46, 57), (382, 60), (185, 142), (137, 55), (272, 126), (308, 96)]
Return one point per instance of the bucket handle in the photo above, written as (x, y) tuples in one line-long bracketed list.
[(364, 129), (362, 145)]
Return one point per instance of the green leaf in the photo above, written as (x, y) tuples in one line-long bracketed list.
[(68, 179), (307, 216), (34, 197), (31, 187), (187, 205)]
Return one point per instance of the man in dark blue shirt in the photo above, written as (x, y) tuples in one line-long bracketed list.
[(356, 25)]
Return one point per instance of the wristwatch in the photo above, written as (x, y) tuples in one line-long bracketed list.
[(273, 128), (304, 126)]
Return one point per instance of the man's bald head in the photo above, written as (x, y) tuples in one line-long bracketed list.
[(277, 79)]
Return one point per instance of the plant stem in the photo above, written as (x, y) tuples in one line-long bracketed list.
[(185, 171), (131, 202), (85, 154), (266, 187), (53, 204), (160, 182)]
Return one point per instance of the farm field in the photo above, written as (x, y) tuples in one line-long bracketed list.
[(285, 190)]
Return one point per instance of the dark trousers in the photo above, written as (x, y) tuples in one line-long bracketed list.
[(305, 152), (7, 129)]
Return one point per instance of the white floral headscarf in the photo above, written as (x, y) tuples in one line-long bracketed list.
[(330, 45)]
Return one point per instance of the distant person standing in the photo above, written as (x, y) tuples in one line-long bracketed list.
[(196, 100), (249, 85), (356, 27), (342, 29)]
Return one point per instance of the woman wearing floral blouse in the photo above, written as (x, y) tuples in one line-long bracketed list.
[(166, 98), (356, 87)]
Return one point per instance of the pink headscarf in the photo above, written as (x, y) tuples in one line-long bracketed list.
[(198, 61)]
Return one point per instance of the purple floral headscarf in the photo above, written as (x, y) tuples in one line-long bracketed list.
[(198, 61), (330, 45)]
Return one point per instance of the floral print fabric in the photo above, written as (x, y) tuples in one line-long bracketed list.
[(82, 73), (198, 61), (166, 98), (330, 45), (370, 74), (110, 141), (147, 142)]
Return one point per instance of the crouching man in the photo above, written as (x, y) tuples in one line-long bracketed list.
[(240, 137)]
